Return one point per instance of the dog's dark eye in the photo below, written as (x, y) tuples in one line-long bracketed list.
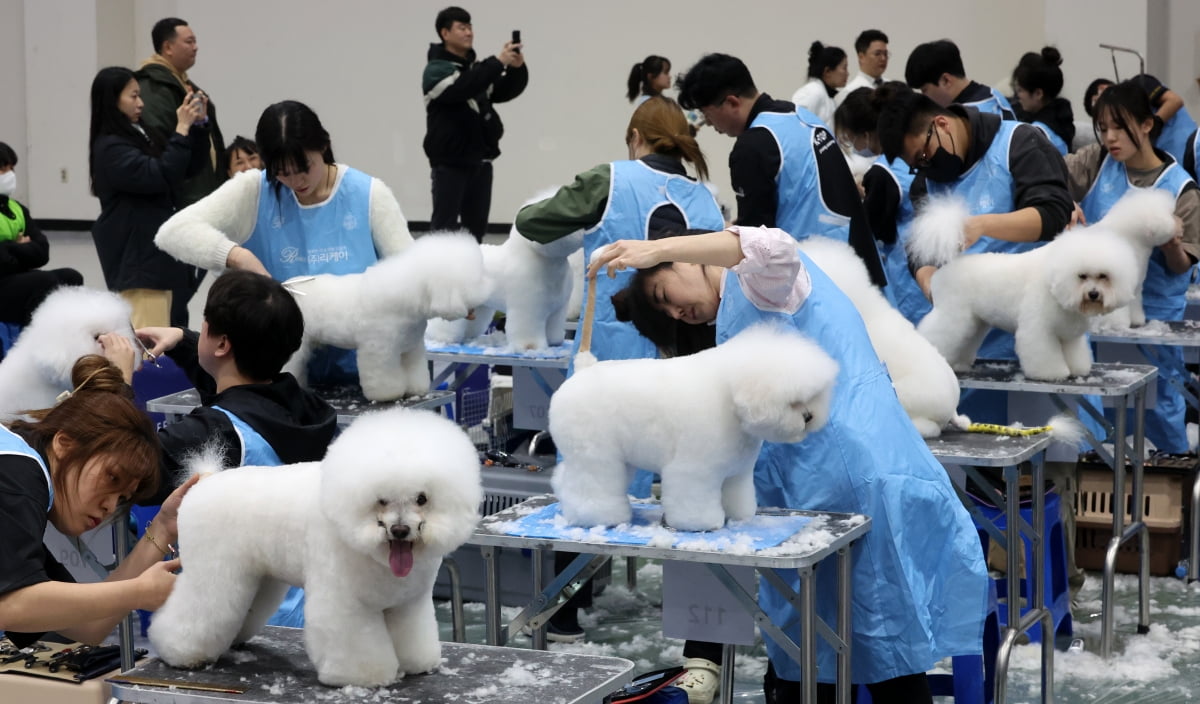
[(383, 502), (1102, 277), (422, 499), (1083, 277)]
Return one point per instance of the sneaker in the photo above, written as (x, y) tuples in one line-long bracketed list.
[(700, 681)]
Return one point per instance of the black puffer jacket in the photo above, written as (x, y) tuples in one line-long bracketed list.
[(461, 127)]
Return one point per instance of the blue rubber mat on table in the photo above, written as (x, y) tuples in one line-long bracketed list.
[(646, 528), (557, 352)]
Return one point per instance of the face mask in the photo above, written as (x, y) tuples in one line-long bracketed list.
[(865, 152), (943, 166), (8, 183)]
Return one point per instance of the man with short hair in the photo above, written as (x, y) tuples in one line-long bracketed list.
[(872, 49), (164, 82), (936, 69), (462, 129), (785, 168)]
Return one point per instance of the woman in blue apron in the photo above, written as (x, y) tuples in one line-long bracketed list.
[(1126, 158), (302, 214), (920, 584), (650, 195), (1168, 106), (75, 466)]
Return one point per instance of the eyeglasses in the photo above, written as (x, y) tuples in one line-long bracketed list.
[(922, 161)]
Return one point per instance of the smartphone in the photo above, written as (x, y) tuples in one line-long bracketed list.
[(516, 39)]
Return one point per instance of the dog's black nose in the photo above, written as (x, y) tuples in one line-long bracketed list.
[(808, 416), (1093, 295), (400, 531)]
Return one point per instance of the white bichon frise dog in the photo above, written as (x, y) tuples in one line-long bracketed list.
[(699, 421), (1044, 296), (363, 531), (534, 291), (924, 382), (63, 329), (536, 286), (382, 312)]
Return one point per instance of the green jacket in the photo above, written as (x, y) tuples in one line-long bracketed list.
[(162, 95)]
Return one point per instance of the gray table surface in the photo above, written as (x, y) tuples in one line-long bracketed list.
[(1176, 333), (1106, 379), (985, 450), (348, 401), (274, 668)]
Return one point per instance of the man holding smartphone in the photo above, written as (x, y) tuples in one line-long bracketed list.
[(164, 83), (462, 132)]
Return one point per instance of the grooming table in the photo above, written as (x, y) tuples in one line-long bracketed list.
[(348, 401), (546, 368), (1121, 383), (975, 452), (1150, 340), (274, 667), (820, 536)]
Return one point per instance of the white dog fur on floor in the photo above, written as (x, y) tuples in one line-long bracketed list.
[(63, 329), (1044, 296), (363, 531), (699, 421), (924, 382), (382, 312)]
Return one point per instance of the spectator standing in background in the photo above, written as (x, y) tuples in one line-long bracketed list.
[(872, 49), (462, 129), (164, 84)]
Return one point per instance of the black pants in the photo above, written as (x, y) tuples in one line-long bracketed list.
[(182, 295), (908, 689), (462, 198), (23, 292)]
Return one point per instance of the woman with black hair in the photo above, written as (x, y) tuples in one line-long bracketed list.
[(302, 214), (827, 73), (137, 173), (1038, 81), (648, 78), (23, 249), (1177, 123)]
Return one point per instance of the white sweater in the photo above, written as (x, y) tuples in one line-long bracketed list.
[(203, 233)]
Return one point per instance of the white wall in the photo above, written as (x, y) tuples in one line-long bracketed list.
[(12, 87), (359, 62)]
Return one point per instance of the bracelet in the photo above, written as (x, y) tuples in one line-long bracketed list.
[(154, 542)]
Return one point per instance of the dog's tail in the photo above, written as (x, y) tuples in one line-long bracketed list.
[(937, 231), (209, 458), (960, 422)]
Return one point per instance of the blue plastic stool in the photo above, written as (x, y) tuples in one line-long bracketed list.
[(1058, 596), (973, 680)]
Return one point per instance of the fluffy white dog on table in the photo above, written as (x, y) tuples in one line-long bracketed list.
[(63, 329), (383, 311), (1044, 296), (363, 531), (924, 382), (699, 421)]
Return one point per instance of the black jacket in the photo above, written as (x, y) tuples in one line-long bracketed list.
[(137, 193), (295, 422), (1058, 116), (461, 127), (162, 95), (27, 256)]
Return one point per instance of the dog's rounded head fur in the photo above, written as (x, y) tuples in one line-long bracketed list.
[(401, 476), (65, 327), (1091, 271), (781, 382)]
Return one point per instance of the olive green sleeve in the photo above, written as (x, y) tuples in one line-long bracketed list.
[(574, 207)]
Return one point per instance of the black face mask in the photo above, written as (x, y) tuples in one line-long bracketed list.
[(944, 166)]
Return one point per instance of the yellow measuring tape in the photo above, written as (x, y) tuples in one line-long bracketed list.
[(993, 429)]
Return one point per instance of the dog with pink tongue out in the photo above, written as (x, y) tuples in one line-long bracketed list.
[(363, 532)]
